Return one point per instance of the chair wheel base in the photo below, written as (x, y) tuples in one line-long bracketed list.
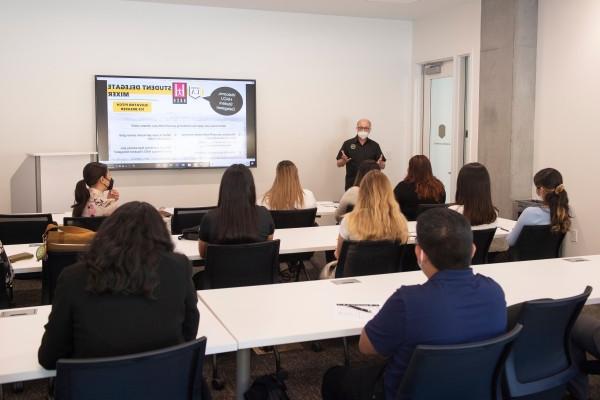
[(316, 347), (217, 384)]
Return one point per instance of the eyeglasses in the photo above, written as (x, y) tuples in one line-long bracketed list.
[(363, 128)]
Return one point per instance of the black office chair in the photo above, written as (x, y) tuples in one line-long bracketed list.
[(537, 242), (91, 223), (235, 265), (185, 218), (540, 363), (482, 239), (469, 371), (23, 228), (369, 257), (295, 219), (58, 258), (421, 208), (171, 373)]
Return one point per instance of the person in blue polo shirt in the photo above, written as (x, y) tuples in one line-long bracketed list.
[(454, 306)]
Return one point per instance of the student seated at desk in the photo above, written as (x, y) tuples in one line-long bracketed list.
[(130, 293), (349, 198), (376, 216), (454, 306), (419, 187), (237, 219), (286, 192), (90, 200), (474, 196), (550, 188)]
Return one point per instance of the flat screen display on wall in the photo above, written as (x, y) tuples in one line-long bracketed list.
[(173, 123)]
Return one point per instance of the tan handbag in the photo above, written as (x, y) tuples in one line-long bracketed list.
[(64, 239)]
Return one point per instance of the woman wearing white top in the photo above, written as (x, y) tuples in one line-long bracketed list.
[(474, 200), (350, 197), (90, 198), (286, 192)]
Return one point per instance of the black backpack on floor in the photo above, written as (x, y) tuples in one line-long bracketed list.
[(267, 387)]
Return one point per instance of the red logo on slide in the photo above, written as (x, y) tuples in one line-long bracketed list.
[(179, 93)]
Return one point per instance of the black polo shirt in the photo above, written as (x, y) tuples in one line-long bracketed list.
[(358, 153)]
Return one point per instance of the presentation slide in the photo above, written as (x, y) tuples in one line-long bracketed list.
[(158, 123)]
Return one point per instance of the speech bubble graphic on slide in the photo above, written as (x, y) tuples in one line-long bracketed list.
[(225, 100)]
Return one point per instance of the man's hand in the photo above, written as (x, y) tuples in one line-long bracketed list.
[(345, 158), (381, 162)]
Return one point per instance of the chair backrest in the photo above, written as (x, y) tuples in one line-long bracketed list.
[(171, 373), (424, 207), (23, 228), (233, 265), (469, 371), (537, 242), (91, 223), (369, 257), (540, 359), (482, 238), (294, 218), (52, 266), (190, 217)]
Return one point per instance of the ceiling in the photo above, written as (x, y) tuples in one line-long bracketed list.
[(389, 9)]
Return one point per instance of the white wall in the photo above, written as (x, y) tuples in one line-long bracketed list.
[(316, 75), (567, 115), (452, 32)]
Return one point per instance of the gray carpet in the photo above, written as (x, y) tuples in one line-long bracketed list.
[(305, 367)]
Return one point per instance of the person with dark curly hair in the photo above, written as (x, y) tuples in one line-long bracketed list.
[(129, 293)]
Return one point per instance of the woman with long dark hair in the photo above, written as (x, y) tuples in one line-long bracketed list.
[(237, 218), (555, 210), (90, 198), (474, 196), (130, 293), (418, 187), (350, 197)]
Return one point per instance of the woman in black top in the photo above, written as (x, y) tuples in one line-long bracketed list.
[(237, 218), (130, 293), (419, 187)]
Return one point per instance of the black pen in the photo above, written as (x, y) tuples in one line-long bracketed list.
[(356, 307), (504, 229)]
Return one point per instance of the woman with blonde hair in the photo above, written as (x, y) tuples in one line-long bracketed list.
[(286, 192), (376, 216)]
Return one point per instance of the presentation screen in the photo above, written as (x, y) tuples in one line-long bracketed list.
[(162, 123)]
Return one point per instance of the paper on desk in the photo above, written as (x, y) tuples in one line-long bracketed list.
[(356, 312)]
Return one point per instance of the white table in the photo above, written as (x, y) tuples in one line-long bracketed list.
[(324, 208), (293, 240), (263, 317), (20, 338), (317, 238)]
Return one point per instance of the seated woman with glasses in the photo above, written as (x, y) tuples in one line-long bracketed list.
[(129, 294)]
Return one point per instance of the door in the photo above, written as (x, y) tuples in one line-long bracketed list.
[(438, 136)]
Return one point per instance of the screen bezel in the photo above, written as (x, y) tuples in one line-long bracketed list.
[(100, 102)]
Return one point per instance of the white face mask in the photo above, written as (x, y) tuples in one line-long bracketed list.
[(363, 134)]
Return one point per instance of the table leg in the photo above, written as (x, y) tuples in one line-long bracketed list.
[(242, 377)]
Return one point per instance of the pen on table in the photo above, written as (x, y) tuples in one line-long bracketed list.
[(356, 307), (503, 229), (358, 304)]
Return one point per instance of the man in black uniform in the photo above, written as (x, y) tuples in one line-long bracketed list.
[(358, 149)]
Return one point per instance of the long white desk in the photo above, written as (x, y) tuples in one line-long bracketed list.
[(20, 338), (294, 240), (263, 317)]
